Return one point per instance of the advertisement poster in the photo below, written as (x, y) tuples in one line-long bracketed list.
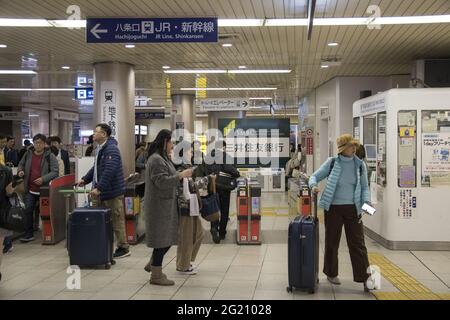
[(407, 177), (435, 159)]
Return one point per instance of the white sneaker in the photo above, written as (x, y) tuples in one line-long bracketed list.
[(334, 280), (189, 271), (194, 266)]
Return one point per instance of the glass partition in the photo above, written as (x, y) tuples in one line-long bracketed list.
[(407, 153), (435, 148)]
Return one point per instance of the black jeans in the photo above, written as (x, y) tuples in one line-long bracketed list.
[(221, 226), (158, 256), (30, 203)]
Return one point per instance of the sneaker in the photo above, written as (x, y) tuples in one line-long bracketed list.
[(121, 253), (7, 248), (188, 271), (222, 236), (194, 266), (334, 280), (366, 289), (27, 239)]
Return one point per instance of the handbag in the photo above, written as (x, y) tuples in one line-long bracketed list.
[(226, 182), (210, 210), (15, 218)]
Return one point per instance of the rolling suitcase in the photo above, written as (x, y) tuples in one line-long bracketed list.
[(303, 252), (90, 237)]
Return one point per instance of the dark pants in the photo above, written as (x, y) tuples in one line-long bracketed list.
[(30, 203), (221, 225), (158, 256), (334, 219)]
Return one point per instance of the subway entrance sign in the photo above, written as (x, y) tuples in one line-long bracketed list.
[(151, 30)]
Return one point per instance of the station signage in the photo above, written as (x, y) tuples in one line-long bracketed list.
[(224, 105), (150, 115), (151, 30), (84, 93)]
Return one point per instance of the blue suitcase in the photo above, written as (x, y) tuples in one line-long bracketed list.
[(90, 238), (303, 252)]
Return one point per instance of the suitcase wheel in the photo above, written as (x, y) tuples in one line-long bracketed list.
[(113, 262), (107, 266), (311, 291), (289, 289)]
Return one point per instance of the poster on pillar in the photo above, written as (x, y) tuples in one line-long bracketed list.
[(109, 105)]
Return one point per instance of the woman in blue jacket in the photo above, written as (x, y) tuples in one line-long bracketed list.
[(345, 193)]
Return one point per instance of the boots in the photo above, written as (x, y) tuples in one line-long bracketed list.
[(148, 266), (159, 278)]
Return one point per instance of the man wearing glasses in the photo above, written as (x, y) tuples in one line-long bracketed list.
[(37, 167), (108, 184)]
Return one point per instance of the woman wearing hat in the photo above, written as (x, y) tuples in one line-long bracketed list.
[(345, 193)]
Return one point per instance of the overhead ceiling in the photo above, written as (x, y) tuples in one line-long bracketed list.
[(362, 51)]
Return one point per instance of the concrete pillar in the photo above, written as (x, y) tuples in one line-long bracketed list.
[(114, 86), (65, 131), (183, 112)]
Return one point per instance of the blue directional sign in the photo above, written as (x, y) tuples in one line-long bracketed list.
[(139, 30), (84, 93)]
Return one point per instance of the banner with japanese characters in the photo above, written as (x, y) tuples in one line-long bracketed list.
[(435, 159), (109, 105)]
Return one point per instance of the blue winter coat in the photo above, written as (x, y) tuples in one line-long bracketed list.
[(362, 193), (110, 182)]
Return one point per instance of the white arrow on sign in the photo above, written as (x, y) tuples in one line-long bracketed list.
[(244, 104), (95, 30)]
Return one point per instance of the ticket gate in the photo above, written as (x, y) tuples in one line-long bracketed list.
[(249, 212), (54, 206), (133, 204)]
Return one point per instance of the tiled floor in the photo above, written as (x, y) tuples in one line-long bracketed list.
[(226, 271)]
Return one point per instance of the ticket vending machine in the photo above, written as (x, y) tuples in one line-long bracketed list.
[(249, 211), (407, 137)]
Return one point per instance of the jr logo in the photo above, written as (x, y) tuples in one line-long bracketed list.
[(374, 280), (73, 282)]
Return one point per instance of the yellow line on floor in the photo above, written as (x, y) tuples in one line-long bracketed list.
[(410, 288)]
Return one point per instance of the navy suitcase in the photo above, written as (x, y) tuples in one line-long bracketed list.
[(303, 252), (90, 238)]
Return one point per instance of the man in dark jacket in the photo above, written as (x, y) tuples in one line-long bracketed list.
[(38, 167), (11, 154), (224, 164), (108, 184), (62, 154)]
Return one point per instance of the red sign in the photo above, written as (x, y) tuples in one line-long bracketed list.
[(309, 145)]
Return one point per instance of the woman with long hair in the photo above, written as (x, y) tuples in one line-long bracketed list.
[(160, 205)]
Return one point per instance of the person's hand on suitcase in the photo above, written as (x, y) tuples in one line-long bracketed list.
[(21, 174), (315, 189), (38, 181), (95, 192), (81, 183)]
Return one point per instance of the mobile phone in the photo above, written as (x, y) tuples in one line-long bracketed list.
[(368, 209)]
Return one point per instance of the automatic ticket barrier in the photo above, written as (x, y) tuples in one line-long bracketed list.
[(133, 204), (54, 207), (249, 212)]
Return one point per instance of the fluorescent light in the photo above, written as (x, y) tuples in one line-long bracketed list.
[(17, 72), (38, 89), (249, 89), (259, 71), (68, 23), (202, 89), (261, 98), (382, 20), (196, 71), (65, 67), (166, 67), (341, 21), (255, 107), (324, 66), (227, 45), (285, 22), (333, 44), (240, 22), (242, 67), (24, 23), (3, 46), (130, 46)]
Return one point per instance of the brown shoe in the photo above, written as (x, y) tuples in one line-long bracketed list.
[(158, 278)]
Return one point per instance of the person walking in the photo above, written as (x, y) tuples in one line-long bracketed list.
[(345, 193), (160, 204)]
